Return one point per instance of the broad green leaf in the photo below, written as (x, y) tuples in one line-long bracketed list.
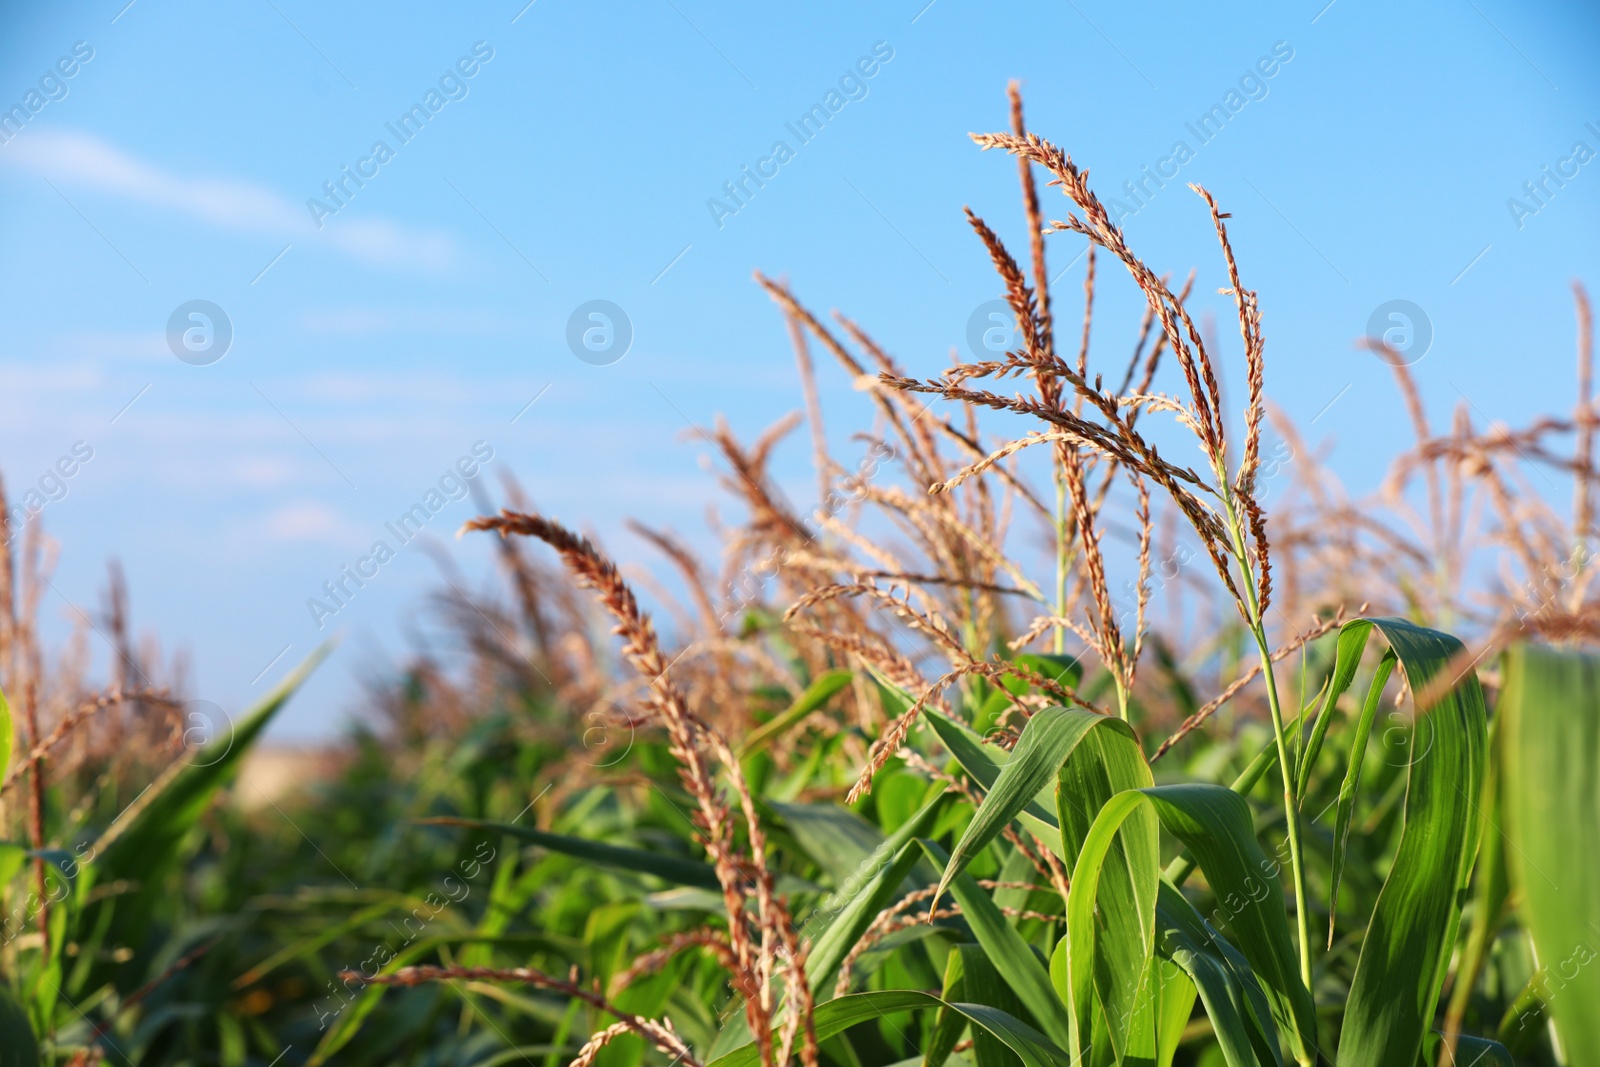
[(970, 978), (146, 841), (1112, 940), (840, 920), (949, 1024), (1018, 869), (678, 870), (1550, 723), (1104, 764), (984, 762), (1239, 1013), (982, 984), (12, 857), (1352, 783), (1413, 928), (836, 838), (1214, 823), (1352, 643), (1032, 1048), (1175, 997), (1523, 1025), (18, 1045), (817, 694), (841, 1013), (1013, 957), (1469, 1052), (145, 838), (1046, 742), (1179, 870), (1491, 888)]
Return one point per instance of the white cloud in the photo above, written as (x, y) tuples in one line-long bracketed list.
[(309, 520), (262, 472), (34, 378), (349, 389), (86, 161), (148, 346)]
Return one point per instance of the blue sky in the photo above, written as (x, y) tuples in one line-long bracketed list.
[(579, 160)]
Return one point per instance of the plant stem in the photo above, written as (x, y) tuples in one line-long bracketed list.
[(1060, 645), (1291, 811)]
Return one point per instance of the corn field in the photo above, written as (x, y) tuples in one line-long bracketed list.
[(1044, 738)]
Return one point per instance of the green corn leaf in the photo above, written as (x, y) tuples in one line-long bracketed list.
[(1046, 742), (1469, 1052), (836, 838), (1550, 723), (1179, 870), (984, 762), (146, 842), (1524, 1022), (1413, 928), (1032, 1048), (18, 1045), (1214, 823), (1175, 997), (1111, 936), (1240, 1015), (1013, 957), (838, 1015), (949, 1024), (145, 838), (1019, 870), (678, 870), (982, 984), (840, 920), (1491, 888), (843, 917), (1106, 762), (1352, 783), (1352, 643), (817, 694)]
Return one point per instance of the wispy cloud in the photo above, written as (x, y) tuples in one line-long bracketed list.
[(309, 520), (89, 162)]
